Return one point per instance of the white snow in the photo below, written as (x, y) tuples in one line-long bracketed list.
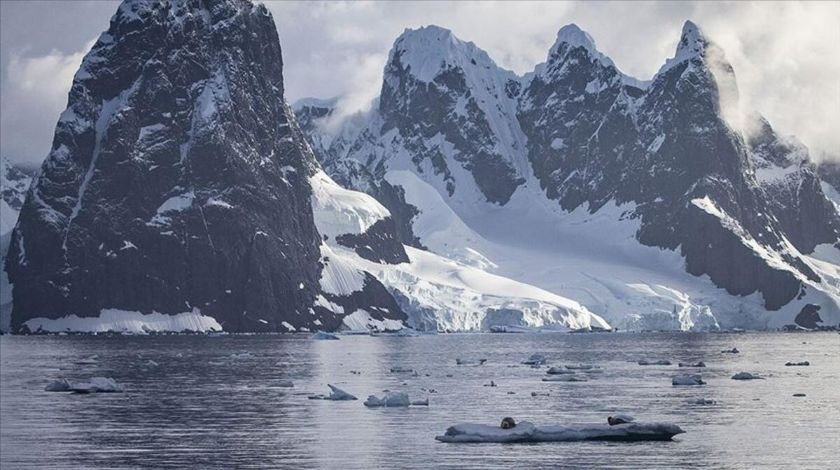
[(175, 203), (128, 322), (362, 320), (338, 211)]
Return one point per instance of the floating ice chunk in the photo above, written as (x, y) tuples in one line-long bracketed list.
[(703, 401), (336, 394), (58, 386), (540, 394), (803, 363), (799, 394), (390, 400), (564, 378), (660, 362), (401, 370), (470, 362), (582, 367), (528, 432), (93, 385), (694, 379), (420, 402), (323, 335), (692, 364), (730, 351), (559, 370), (152, 363), (535, 360), (408, 332), (746, 376), (285, 384)]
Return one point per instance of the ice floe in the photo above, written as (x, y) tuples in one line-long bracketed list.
[(535, 360), (659, 362), (558, 371), (564, 378), (528, 432), (470, 362), (746, 376), (692, 364), (93, 385), (692, 379), (582, 367), (730, 351), (323, 335), (392, 400)]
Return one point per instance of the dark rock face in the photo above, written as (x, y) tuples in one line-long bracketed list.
[(809, 317), (178, 178), (379, 243), (374, 299)]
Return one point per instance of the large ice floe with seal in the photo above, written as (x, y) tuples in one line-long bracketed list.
[(525, 432)]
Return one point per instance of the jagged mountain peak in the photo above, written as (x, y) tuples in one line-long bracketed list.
[(693, 43)]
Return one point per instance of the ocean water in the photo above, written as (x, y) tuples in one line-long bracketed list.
[(214, 402)]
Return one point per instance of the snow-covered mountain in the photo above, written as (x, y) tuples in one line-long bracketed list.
[(657, 204), (180, 193), (14, 182)]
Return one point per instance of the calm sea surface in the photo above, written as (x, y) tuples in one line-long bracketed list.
[(202, 402)]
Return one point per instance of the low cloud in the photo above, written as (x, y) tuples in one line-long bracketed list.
[(34, 93)]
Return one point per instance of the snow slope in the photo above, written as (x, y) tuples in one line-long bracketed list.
[(592, 258), (437, 293)]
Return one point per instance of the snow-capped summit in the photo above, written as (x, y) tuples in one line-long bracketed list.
[(693, 43), (430, 50), (571, 36)]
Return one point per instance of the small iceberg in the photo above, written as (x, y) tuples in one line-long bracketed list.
[(803, 363), (241, 356), (694, 379), (582, 367), (799, 394), (469, 362), (660, 362), (559, 371), (408, 332), (286, 384), (93, 385), (746, 376), (730, 351), (564, 378), (323, 335), (528, 432), (692, 364), (336, 394), (58, 386), (535, 360), (703, 401), (389, 400), (420, 402), (402, 370)]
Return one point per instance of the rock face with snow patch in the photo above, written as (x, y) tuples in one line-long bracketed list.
[(178, 180), (699, 175)]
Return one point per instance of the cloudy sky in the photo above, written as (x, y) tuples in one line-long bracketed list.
[(785, 55)]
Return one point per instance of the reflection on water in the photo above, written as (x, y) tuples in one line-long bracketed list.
[(196, 401)]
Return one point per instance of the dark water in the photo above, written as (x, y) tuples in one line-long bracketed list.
[(200, 408)]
